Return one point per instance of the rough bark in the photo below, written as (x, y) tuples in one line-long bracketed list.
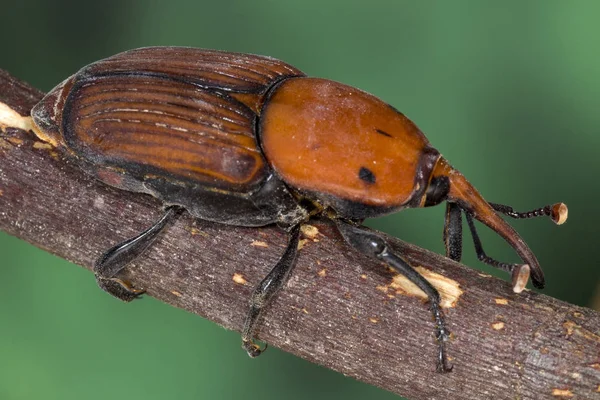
[(339, 309)]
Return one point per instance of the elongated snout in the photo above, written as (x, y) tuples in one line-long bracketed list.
[(469, 199)]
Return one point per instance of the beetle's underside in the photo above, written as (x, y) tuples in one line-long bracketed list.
[(249, 140)]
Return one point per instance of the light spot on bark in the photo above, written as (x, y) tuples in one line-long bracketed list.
[(9, 118), (498, 325), (309, 231), (382, 288), (258, 243), (42, 146), (563, 393), (373, 320), (501, 301), (16, 141), (99, 202), (322, 272), (572, 328), (176, 293), (239, 279), (195, 231), (302, 243), (449, 289)]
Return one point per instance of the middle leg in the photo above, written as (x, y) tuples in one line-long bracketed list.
[(266, 289)]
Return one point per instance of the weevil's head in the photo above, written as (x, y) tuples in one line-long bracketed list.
[(448, 184)]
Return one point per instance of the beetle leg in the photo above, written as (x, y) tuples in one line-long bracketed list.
[(266, 289), (479, 249), (520, 272), (453, 231), (108, 266), (373, 245)]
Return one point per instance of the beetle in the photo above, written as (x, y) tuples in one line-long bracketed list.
[(249, 140)]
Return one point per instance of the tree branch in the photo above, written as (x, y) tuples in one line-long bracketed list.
[(339, 309)]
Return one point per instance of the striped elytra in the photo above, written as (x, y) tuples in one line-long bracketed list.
[(181, 114)]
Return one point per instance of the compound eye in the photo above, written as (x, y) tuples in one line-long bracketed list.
[(437, 191)]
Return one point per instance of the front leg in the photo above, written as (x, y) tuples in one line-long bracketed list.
[(373, 245), (453, 231)]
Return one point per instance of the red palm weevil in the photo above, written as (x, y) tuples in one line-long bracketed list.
[(249, 140)]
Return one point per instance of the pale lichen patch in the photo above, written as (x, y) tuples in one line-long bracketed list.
[(501, 301), (258, 243), (15, 140), (99, 202), (42, 146), (309, 231), (449, 289), (572, 328), (563, 393), (545, 308), (9, 118), (195, 231), (498, 325), (302, 243), (568, 325), (382, 288), (239, 279)]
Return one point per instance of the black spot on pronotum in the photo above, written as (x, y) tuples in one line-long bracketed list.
[(366, 175), (384, 133)]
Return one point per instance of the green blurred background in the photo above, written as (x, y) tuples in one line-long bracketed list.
[(508, 92)]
